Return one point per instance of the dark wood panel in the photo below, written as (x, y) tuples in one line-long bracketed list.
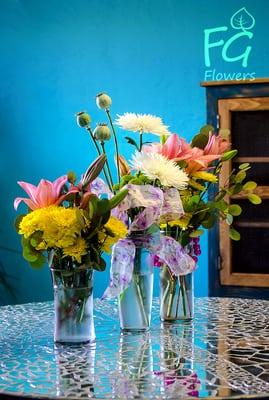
[(213, 94)]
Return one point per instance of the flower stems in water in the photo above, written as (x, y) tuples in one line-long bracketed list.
[(140, 297)]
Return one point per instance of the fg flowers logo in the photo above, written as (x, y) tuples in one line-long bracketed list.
[(235, 49)]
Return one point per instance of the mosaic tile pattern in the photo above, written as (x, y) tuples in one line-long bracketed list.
[(223, 353)]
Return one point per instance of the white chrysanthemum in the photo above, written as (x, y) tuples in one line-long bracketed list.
[(142, 123), (156, 166)]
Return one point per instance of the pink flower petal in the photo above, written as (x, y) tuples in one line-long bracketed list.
[(28, 188), (58, 184), (44, 196), (29, 203)]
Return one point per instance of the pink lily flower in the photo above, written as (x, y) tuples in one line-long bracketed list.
[(175, 148), (216, 145), (45, 194)]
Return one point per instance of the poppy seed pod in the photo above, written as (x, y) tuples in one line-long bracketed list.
[(83, 119), (102, 132), (103, 101)]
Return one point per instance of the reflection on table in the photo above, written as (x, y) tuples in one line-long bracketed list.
[(224, 352)]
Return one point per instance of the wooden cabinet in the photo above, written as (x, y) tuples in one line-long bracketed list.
[(241, 269)]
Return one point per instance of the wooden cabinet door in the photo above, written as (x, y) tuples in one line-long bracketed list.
[(246, 263)]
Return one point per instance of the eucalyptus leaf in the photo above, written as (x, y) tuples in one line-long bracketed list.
[(250, 185), (196, 233), (206, 129), (234, 234), (254, 198), (240, 176), (244, 166), (235, 210), (200, 141), (229, 219)]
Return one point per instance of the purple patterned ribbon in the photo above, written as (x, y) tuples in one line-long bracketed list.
[(156, 205), (168, 250)]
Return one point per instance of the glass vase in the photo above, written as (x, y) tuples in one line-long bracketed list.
[(176, 296), (73, 305), (135, 301)]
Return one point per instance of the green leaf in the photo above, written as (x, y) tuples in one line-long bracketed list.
[(18, 221), (220, 195), (244, 166), (228, 155), (240, 176), (117, 199), (254, 198), (29, 253), (206, 129), (234, 234), (196, 233), (92, 205), (224, 133), (39, 263), (250, 185), (132, 142), (229, 219), (236, 188), (235, 210), (209, 222), (221, 205), (103, 206), (200, 141)]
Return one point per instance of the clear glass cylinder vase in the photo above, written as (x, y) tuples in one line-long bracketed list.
[(176, 296), (135, 302), (73, 305)]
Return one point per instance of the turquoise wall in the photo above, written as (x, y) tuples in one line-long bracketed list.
[(57, 54)]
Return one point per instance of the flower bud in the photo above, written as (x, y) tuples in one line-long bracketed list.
[(102, 132), (123, 166), (71, 177), (103, 101), (83, 119)]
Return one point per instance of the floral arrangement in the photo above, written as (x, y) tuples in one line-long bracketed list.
[(169, 184), (69, 220), (174, 185), (193, 200)]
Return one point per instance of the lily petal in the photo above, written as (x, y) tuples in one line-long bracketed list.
[(29, 203)]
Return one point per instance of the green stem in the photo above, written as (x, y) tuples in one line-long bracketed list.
[(181, 278), (138, 289), (116, 143), (140, 140), (171, 296), (178, 298), (187, 298), (99, 153), (107, 165)]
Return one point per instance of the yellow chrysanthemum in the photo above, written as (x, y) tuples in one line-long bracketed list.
[(205, 176), (77, 250), (111, 233), (60, 226), (182, 223)]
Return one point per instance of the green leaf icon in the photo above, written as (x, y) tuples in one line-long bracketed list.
[(242, 19)]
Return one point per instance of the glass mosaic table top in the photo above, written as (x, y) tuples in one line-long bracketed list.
[(223, 353)]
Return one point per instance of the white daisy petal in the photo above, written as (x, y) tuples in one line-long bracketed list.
[(142, 123), (156, 166)]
